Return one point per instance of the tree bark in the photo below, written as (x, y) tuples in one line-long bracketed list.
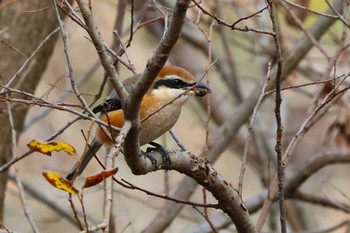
[(23, 26)]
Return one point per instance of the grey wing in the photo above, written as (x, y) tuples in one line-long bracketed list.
[(111, 103)]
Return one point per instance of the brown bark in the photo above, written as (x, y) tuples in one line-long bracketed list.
[(23, 26)]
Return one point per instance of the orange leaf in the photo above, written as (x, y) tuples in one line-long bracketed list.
[(47, 148), (342, 137), (327, 88), (57, 181), (298, 13), (96, 179)]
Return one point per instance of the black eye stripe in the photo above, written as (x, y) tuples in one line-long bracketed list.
[(173, 83)]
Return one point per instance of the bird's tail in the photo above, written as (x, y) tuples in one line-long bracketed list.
[(80, 166)]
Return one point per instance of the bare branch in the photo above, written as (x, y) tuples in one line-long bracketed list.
[(233, 26), (250, 128), (106, 60), (279, 130), (35, 52)]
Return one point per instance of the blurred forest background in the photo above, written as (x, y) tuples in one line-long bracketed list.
[(229, 43)]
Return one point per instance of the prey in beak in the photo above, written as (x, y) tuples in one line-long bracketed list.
[(199, 89)]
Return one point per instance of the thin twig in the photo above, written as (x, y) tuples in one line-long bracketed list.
[(123, 49), (206, 146), (310, 10), (108, 198), (71, 14), (2, 226), (177, 140), (318, 112), (69, 66), (338, 14), (13, 48), (101, 49), (320, 201), (13, 78), (25, 154), (279, 130), (30, 99), (129, 185), (81, 80), (232, 26), (207, 219), (18, 179), (307, 33), (70, 70), (250, 127), (305, 84), (43, 103), (345, 223), (131, 24), (232, 79), (81, 200)]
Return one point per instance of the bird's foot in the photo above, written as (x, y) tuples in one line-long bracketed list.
[(150, 157), (160, 149)]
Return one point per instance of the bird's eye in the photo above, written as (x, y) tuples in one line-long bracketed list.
[(173, 82), (177, 83)]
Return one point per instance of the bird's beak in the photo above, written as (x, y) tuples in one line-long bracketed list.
[(200, 90)]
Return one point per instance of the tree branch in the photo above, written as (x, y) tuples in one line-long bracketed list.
[(154, 64)]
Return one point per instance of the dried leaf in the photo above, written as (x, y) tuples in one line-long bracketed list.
[(47, 148), (327, 88), (96, 179), (342, 137), (58, 182), (299, 13)]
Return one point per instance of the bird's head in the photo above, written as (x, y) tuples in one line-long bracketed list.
[(173, 81)]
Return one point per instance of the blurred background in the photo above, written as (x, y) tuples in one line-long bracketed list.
[(234, 62)]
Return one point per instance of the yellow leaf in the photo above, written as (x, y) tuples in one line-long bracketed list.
[(96, 179), (47, 148), (57, 181)]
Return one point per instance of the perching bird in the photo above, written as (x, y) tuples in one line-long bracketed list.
[(171, 89)]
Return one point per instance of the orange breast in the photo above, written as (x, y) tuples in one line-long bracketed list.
[(152, 127), (115, 118)]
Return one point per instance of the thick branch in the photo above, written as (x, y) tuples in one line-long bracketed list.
[(154, 64), (292, 184), (202, 171)]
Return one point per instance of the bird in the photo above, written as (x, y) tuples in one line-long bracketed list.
[(159, 111)]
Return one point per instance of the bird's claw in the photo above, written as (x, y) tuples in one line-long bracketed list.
[(151, 158), (160, 149)]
